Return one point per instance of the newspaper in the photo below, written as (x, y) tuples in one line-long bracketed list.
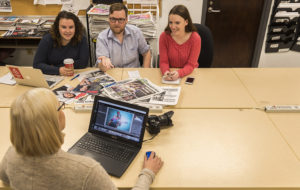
[(65, 94), (85, 99), (169, 96), (100, 9), (132, 90), (5, 6), (145, 22), (92, 82)]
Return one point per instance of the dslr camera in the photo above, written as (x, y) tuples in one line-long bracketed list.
[(155, 123)]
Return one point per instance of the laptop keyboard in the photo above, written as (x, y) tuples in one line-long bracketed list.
[(98, 146)]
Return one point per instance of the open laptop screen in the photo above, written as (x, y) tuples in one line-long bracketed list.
[(118, 119)]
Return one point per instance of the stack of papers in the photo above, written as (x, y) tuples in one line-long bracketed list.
[(29, 23), (7, 23), (99, 19), (145, 22), (100, 9)]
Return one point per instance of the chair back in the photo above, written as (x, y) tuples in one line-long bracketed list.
[(207, 46)]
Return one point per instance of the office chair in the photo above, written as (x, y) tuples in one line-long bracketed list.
[(141, 59), (207, 46)]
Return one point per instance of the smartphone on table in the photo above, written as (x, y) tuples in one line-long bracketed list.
[(189, 80)]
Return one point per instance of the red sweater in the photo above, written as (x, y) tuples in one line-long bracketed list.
[(183, 56)]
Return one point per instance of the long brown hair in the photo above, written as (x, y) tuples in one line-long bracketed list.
[(79, 28), (182, 11)]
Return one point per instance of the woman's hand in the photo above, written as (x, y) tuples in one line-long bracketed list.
[(153, 163), (167, 75), (66, 72), (171, 75), (174, 75)]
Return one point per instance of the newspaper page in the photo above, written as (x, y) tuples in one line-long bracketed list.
[(169, 96), (99, 9), (85, 99), (5, 6), (132, 90), (92, 82), (64, 94)]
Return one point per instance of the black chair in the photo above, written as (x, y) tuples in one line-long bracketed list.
[(207, 46)]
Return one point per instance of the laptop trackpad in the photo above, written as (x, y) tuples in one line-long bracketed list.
[(113, 167)]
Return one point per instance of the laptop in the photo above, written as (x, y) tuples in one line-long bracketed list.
[(33, 77), (115, 134)]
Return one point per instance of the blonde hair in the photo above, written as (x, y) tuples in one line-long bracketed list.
[(35, 129)]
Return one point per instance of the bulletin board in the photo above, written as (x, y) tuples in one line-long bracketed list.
[(26, 7), (139, 6)]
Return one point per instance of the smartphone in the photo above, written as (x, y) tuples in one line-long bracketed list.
[(189, 80)]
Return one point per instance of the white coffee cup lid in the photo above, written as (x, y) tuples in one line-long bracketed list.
[(68, 61)]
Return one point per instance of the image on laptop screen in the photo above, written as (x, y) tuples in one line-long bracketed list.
[(118, 120)]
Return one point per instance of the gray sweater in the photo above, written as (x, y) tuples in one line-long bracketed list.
[(60, 171)]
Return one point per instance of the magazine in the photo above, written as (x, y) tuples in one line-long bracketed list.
[(92, 82)]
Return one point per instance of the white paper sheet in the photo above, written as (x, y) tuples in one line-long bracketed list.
[(47, 2), (7, 79), (134, 74)]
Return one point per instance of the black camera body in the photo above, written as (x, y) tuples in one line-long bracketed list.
[(155, 123)]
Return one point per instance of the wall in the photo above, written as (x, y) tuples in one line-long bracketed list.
[(194, 7), (281, 59)]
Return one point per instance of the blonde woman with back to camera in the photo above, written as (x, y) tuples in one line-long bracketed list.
[(36, 160)]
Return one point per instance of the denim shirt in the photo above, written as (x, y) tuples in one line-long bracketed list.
[(124, 54)]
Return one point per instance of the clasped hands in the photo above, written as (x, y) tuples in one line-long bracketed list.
[(171, 75)]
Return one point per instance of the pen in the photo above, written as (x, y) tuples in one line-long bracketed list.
[(75, 77), (109, 85)]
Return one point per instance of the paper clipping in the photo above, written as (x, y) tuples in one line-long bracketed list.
[(169, 96)]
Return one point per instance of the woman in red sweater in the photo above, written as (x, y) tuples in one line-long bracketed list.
[(179, 45)]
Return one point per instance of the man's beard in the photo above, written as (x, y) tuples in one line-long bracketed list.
[(118, 30)]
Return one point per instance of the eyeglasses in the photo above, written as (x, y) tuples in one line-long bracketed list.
[(114, 20), (62, 106)]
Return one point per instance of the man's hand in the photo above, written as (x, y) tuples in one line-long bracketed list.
[(104, 63)]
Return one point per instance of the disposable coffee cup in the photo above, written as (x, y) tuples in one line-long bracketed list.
[(69, 63)]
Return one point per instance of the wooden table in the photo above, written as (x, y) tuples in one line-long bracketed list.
[(9, 93), (212, 88), (206, 148), (218, 140), (288, 125), (271, 86)]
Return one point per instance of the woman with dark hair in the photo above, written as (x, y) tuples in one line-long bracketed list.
[(65, 40), (179, 45)]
